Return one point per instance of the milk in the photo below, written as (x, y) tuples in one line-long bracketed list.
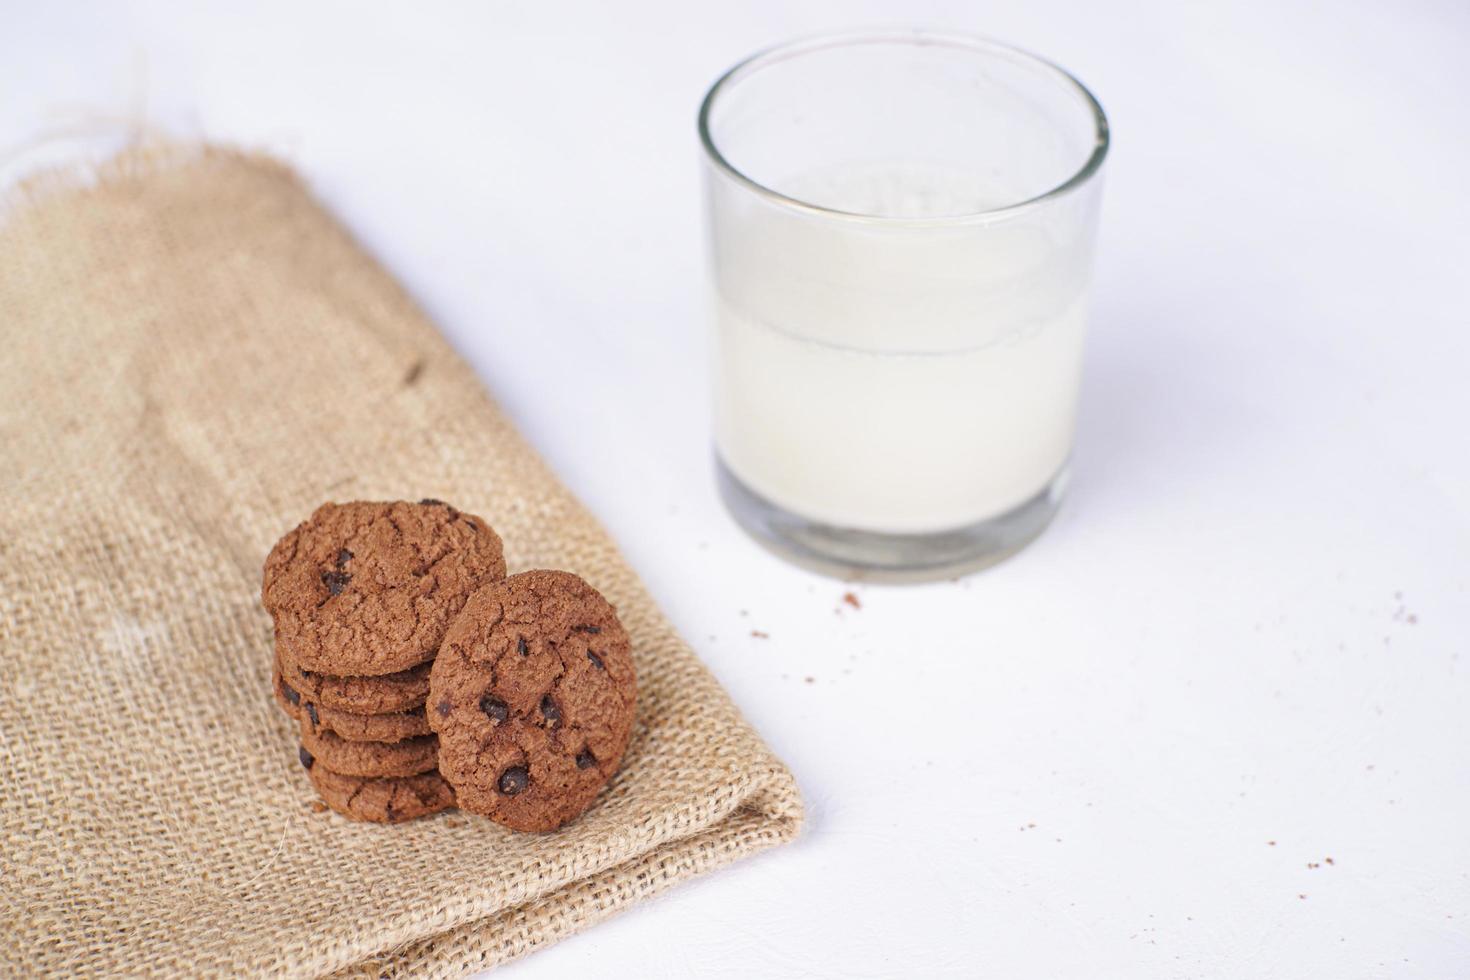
[(900, 376)]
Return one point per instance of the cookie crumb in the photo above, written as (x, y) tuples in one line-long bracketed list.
[(852, 600), (1270, 843), (760, 635), (318, 806), (1329, 860), (810, 679)]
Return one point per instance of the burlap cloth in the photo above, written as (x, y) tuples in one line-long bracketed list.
[(193, 355)]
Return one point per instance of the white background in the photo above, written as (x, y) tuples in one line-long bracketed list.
[(1250, 623)]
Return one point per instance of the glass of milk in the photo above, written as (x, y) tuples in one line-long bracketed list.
[(901, 230)]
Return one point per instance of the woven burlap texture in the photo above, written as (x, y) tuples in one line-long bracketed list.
[(194, 355)]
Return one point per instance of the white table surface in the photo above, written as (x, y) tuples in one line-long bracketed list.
[(1242, 650)]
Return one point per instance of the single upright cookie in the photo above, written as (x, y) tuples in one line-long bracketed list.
[(383, 694), (389, 727), (363, 589), (392, 800), (532, 695), (377, 759)]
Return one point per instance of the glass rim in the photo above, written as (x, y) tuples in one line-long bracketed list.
[(970, 42)]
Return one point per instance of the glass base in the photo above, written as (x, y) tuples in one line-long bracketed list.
[(872, 556)]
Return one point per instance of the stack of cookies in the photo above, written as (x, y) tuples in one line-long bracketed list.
[(419, 673)]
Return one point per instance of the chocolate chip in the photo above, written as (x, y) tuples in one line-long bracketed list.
[(495, 708), (307, 759), (596, 660), (514, 780), (434, 502), (550, 711), (585, 759), (335, 581), (292, 695), (521, 647), (444, 707), (587, 629), (343, 557), (311, 713)]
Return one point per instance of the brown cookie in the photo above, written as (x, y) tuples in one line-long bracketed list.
[(532, 695), (391, 800), (364, 589), (384, 694), (355, 728), (406, 758)]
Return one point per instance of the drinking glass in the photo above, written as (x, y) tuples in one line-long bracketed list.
[(901, 232)]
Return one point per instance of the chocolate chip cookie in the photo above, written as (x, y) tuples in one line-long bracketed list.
[(365, 589), (532, 695), (384, 694), (376, 759), (393, 727), (392, 800)]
